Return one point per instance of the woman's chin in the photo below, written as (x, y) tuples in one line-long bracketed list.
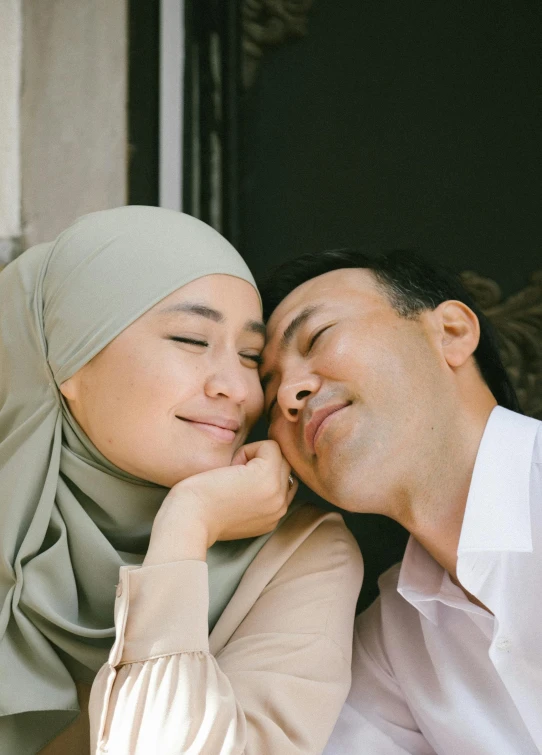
[(169, 478)]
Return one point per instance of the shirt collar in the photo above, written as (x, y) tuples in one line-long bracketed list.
[(497, 514), (424, 583), (420, 579)]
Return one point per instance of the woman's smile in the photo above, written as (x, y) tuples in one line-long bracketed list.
[(222, 429)]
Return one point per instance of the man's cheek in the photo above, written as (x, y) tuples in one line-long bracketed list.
[(277, 433), (288, 447), (272, 432)]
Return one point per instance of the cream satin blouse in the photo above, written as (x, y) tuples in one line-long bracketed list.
[(269, 680)]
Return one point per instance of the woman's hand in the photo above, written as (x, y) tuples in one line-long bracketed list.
[(243, 500)]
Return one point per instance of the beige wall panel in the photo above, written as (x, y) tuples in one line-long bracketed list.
[(73, 112), (10, 64)]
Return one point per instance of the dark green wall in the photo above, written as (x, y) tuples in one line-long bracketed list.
[(397, 122), (400, 123), (143, 96)]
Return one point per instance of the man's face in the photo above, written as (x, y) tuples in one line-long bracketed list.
[(352, 389)]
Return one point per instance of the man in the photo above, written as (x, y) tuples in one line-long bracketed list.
[(385, 390)]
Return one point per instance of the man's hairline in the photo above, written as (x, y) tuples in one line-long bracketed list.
[(385, 287), (381, 284)]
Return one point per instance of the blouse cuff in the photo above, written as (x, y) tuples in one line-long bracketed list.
[(161, 610)]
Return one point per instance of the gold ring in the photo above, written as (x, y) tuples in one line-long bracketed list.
[(291, 481)]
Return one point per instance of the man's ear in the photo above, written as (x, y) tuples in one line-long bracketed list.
[(69, 389), (460, 331)]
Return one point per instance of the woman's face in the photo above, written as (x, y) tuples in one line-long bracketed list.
[(177, 392)]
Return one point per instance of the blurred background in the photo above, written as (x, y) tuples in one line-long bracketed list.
[(292, 126)]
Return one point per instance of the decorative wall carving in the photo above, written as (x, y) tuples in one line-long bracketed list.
[(518, 322), (269, 23)]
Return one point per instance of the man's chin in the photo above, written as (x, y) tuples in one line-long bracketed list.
[(333, 483)]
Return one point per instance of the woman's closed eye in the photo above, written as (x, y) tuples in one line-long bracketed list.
[(250, 359), (192, 341), (254, 359)]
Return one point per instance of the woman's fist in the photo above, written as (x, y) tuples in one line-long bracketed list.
[(243, 500)]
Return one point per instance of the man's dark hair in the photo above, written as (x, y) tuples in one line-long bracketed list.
[(412, 285)]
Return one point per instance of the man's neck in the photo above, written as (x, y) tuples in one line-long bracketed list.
[(436, 508)]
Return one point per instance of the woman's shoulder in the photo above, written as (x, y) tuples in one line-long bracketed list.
[(309, 540), (306, 579), (306, 523), (311, 560)]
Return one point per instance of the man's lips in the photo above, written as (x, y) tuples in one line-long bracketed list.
[(223, 429), (314, 427)]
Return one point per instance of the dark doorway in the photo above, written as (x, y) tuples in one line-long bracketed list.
[(385, 123)]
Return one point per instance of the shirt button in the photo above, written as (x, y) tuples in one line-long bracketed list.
[(504, 644), (119, 589)]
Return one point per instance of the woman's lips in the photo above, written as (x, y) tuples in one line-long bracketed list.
[(221, 429)]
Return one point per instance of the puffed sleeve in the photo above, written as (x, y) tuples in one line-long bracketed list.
[(277, 685)]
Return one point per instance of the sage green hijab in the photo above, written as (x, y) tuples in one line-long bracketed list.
[(69, 518)]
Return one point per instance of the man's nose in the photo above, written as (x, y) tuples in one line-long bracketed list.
[(293, 395)]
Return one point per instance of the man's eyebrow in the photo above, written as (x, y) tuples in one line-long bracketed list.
[(202, 310), (296, 323), (288, 335)]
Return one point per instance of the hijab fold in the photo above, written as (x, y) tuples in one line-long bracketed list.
[(69, 519)]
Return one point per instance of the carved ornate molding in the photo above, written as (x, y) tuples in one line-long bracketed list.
[(266, 24), (518, 322)]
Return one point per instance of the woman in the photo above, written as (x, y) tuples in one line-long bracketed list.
[(128, 360)]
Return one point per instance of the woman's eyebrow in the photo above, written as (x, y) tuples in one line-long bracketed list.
[(255, 326), (192, 308), (202, 310)]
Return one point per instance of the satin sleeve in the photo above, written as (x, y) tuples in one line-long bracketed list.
[(276, 687)]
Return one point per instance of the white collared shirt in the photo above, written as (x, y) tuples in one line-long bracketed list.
[(434, 673)]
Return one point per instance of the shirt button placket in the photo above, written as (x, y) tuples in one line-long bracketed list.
[(504, 644)]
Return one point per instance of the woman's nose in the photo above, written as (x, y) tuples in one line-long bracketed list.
[(229, 379), (293, 395)]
